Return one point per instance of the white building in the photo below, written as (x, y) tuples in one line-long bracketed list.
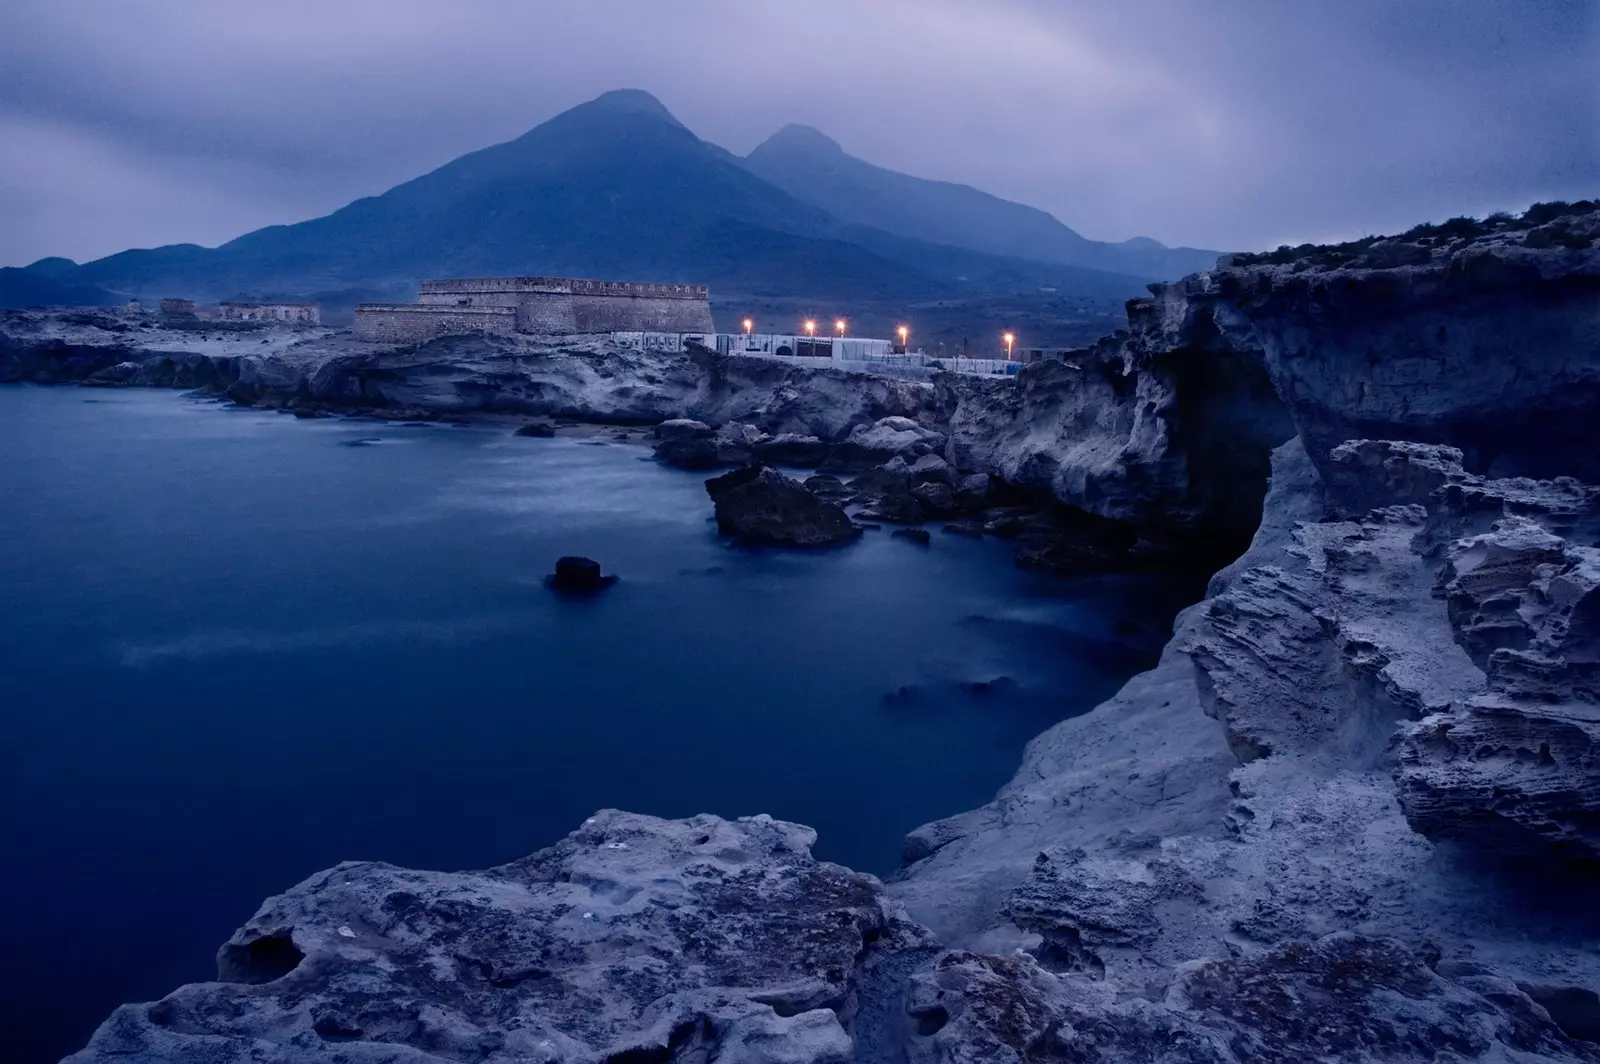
[(291, 313)]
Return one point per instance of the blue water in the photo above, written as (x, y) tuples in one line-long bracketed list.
[(235, 650)]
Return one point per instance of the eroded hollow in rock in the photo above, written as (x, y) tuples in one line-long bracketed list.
[(1230, 419), (259, 961)]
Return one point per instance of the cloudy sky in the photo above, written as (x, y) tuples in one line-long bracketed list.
[(1223, 123)]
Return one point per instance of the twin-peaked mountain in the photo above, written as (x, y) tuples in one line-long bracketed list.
[(812, 167), (618, 188)]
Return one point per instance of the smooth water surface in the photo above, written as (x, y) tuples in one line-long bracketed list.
[(236, 648)]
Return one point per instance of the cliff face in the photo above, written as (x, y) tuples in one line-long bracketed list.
[(1352, 814), (1483, 340)]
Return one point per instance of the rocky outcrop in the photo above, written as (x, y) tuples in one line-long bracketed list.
[(762, 507), (1516, 767), (1476, 337), (1350, 815), (1147, 838), (633, 939)]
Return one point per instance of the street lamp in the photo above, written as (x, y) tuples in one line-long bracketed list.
[(748, 325), (1009, 339), (811, 328), (839, 325), (904, 332)]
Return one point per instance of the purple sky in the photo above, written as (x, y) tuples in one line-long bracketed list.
[(1224, 123)]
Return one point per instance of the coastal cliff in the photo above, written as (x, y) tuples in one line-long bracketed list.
[(1351, 814)]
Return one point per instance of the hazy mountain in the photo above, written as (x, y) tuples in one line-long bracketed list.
[(614, 188), (813, 168), (47, 283)]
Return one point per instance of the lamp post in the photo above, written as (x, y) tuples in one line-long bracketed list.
[(811, 328), (1009, 339), (904, 334), (839, 325), (748, 325)]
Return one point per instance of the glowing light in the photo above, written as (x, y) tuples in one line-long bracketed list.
[(840, 326), (904, 332), (748, 325), (1009, 339), (811, 328)]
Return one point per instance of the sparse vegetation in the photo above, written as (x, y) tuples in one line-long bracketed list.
[(1545, 224)]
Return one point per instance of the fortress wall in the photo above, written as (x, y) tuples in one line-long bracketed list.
[(628, 313), (559, 305), (415, 322), (546, 313)]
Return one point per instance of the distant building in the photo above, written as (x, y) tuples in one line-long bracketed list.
[(286, 313), (839, 348), (539, 305), (132, 306), (178, 308)]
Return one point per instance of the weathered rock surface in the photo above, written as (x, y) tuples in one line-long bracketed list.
[(1351, 815), (1144, 839), (632, 939), (1345, 997), (887, 438), (760, 506), (1515, 767)]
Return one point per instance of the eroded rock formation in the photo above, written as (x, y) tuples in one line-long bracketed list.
[(1351, 815)]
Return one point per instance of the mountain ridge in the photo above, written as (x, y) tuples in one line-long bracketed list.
[(815, 169), (615, 187)]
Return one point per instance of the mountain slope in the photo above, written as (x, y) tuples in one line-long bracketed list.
[(613, 188), (48, 283), (815, 169)]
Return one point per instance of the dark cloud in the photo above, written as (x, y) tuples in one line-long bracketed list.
[(1224, 124)]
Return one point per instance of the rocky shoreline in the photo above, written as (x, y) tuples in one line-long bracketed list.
[(1353, 814)]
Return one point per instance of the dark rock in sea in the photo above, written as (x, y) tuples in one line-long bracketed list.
[(542, 430), (578, 575), (306, 413), (915, 535), (365, 441), (689, 453), (759, 505), (966, 527), (998, 686), (687, 444)]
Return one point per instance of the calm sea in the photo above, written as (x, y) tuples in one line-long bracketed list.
[(236, 648)]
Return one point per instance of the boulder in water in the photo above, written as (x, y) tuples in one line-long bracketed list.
[(759, 505), (538, 429), (578, 575)]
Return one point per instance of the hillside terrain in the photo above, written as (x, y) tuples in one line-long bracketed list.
[(814, 169), (616, 188)]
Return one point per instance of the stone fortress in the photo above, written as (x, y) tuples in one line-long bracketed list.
[(541, 305)]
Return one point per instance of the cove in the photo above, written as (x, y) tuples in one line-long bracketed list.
[(237, 648)]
